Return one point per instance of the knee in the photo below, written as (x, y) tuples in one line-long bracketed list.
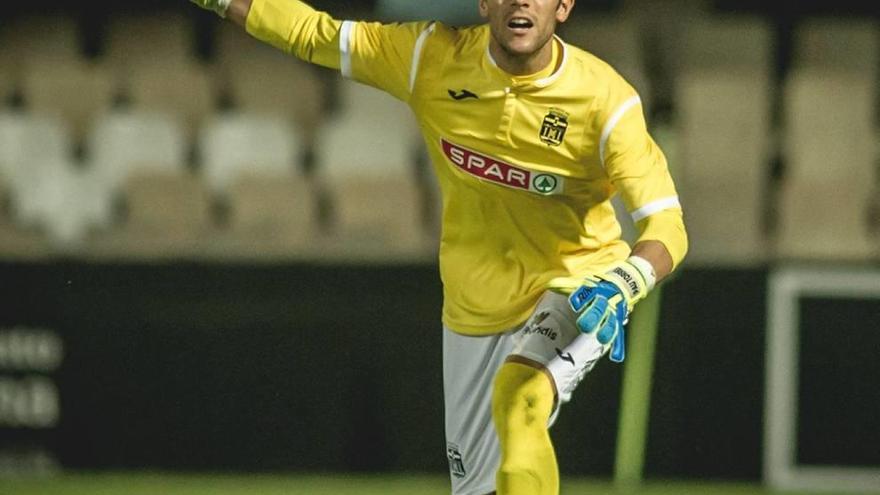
[(522, 400)]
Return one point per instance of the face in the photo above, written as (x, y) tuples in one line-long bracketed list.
[(521, 28)]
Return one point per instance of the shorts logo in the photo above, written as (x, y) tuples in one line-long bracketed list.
[(565, 356), (536, 328), (493, 170), (456, 463), (554, 126), (540, 317)]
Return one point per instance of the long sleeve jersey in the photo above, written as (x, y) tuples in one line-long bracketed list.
[(527, 165)]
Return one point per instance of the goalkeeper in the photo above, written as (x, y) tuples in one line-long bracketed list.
[(529, 138)]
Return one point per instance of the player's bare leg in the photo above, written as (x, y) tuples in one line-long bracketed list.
[(522, 402)]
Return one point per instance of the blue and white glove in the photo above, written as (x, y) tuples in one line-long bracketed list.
[(603, 303)]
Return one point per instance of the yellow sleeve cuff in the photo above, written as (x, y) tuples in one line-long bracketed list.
[(666, 227)]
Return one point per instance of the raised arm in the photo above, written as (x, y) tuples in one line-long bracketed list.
[(289, 25), (380, 55)]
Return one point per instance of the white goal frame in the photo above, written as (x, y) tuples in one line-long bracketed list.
[(786, 285)]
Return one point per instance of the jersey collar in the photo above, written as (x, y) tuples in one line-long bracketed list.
[(527, 81)]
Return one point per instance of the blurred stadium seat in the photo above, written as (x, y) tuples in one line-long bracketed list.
[(260, 79), (161, 38), (75, 90), (61, 202), (838, 43), (15, 242), (154, 58), (724, 146), (362, 163), (40, 38), (661, 24), (27, 144), (727, 42), (7, 85), (167, 213), (724, 119), (271, 215), (139, 159), (234, 144), (251, 165), (48, 195), (830, 141), (615, 39), (124, 143), (830, 149), (184, 90)]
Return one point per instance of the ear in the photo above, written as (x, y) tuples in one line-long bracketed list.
[(563, 10), (484, 9)]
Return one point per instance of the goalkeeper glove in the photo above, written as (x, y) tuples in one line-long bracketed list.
[(218, 6), (603, 303)]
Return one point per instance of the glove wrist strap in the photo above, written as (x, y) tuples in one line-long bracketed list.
[(646, 269), (634, 277)]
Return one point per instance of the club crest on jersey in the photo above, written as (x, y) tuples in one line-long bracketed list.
[(554, 126), (494, 170)]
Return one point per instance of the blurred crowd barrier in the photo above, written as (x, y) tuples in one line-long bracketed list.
[(153, 149)]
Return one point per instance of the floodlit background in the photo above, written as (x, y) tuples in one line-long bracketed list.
[(218, 264)]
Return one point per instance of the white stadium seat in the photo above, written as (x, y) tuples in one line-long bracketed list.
[(140, 158), (252, 162), (185, 91), (370, 172), (48, 193), (124, 143), (233, 144), (77, 91), (723, 100), (724, 151), (830, 148), (29, 143)]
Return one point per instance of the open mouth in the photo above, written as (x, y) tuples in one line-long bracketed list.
[(519, 24)]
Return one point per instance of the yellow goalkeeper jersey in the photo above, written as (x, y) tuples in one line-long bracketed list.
[(527, 165)]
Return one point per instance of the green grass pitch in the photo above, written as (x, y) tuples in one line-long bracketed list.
[(335, 484)]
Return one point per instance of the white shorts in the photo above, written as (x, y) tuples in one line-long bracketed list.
[(548, 337)]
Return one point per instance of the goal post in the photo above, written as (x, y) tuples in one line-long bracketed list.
[(635, 399), (786, 286)]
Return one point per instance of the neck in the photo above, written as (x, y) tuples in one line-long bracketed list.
[(521, 65)]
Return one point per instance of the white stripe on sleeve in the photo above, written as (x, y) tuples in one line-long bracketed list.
[(655, 207), (345, 36), (612, 123), (417, 55)]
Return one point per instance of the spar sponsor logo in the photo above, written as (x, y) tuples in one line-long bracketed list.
[(494, 170)]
